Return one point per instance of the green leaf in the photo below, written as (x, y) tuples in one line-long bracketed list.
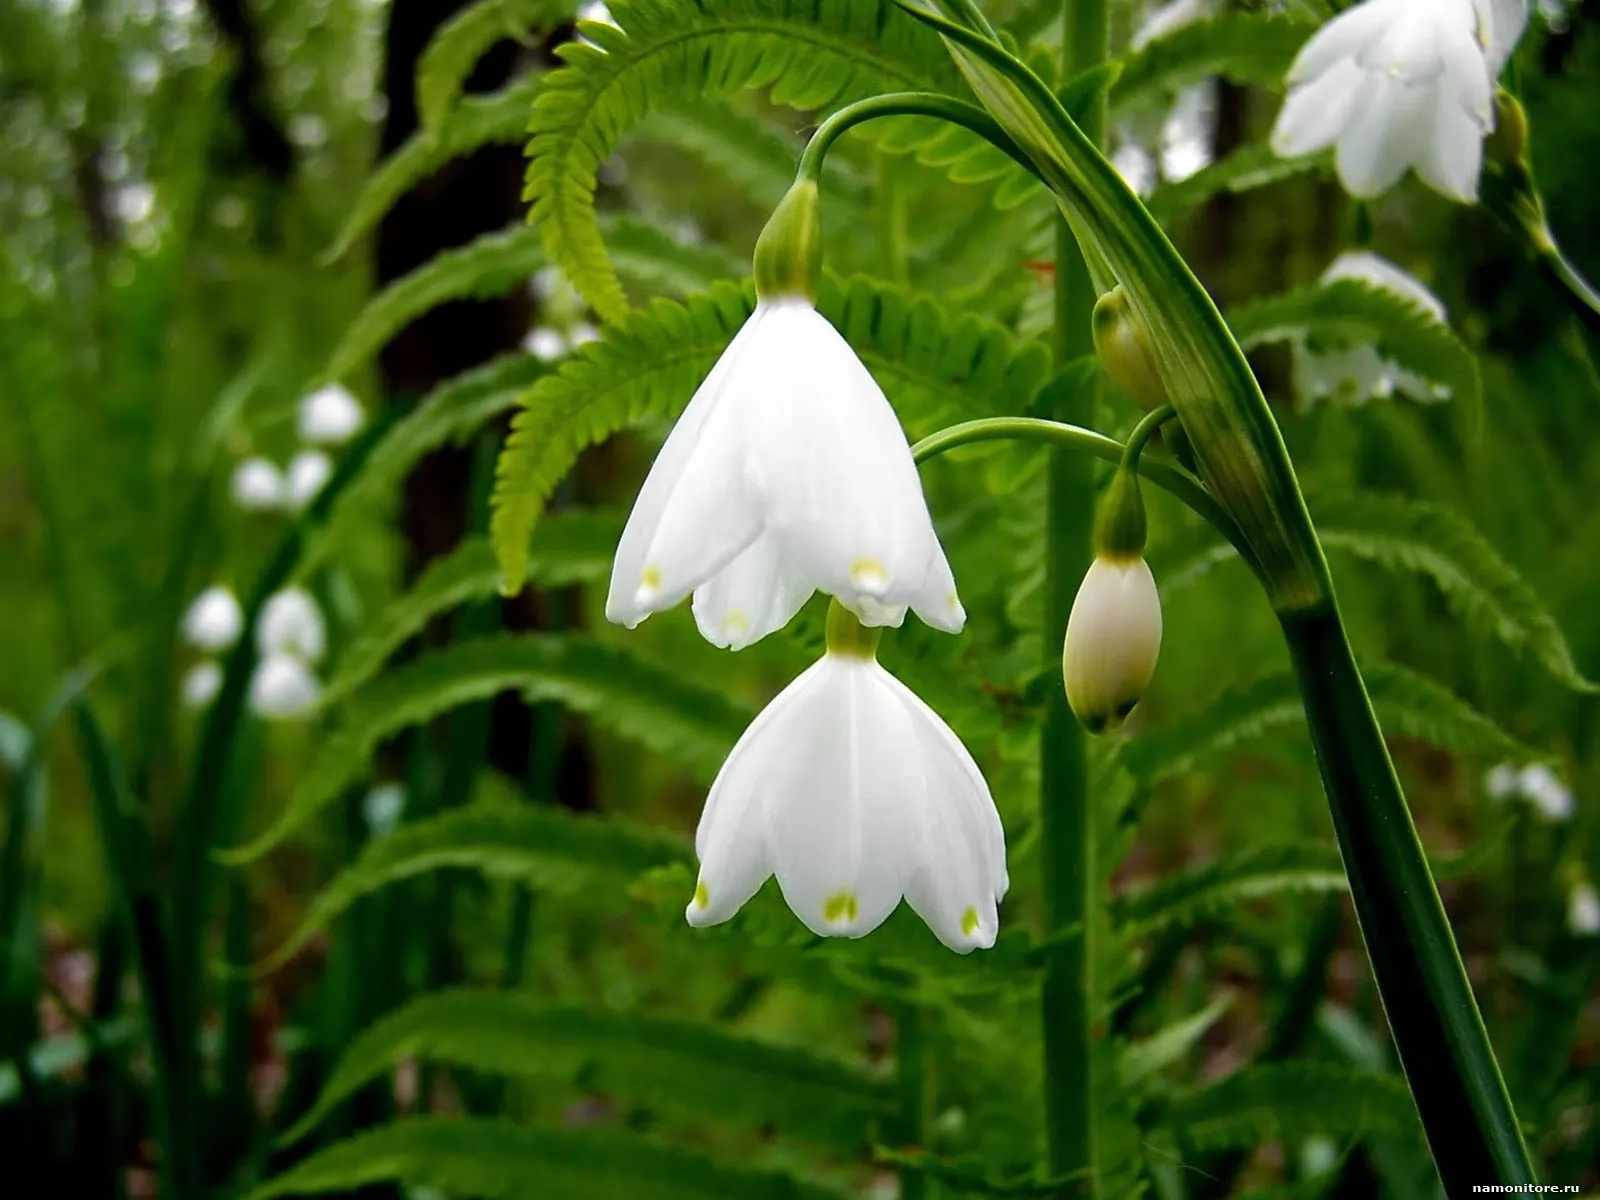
[(1170, 1044), (934, 368), (659, 263), (693, 724), (1240, 48), (462, 40), (501, 117), (572, 547), (1353, 311), (1292, 1100), (539, 846), (488, 266), (1200, 892), (1484, 589), (1250, 166), (680, 1069), (811, 54), (499, 1161)]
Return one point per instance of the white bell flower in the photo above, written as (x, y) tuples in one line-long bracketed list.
[(545, 344), (291, 623), (854, 793), (283, 687), (1501, 781), (787, 473), (214, 621), (259, 486), (1543, 788), (1113, 641), (309, 472), (1399, 85), (330, 416), (1583, 910), (201, 683)]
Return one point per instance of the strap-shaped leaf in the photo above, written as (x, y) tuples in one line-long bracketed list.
[(694, 724), (1352, 310), (477, 121), (810, 54), (1291, 1100), (934, 368), (496, 1160), (462, 40), (1240, 48), (539, 846), (1193, 895), (681, 1068)]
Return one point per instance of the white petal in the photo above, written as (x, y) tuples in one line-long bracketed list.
[(754, 595), (258, 485), (291, 623), (1500, 26), (1386, 134), (1583, 910), (1453, 157), (330, 415), (545, 344), (201, 684), (214, 621), (309, 472), (1380, 272), (1113, 641), (1344, 37), (283, 686), (1316, 113)]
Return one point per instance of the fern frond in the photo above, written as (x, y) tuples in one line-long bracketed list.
[(1193, 895), (487, 266), (478, 121), (810, 54), (1250, 166), (1240, 48), (682, 1069), (1291, 1100), (1149, 1056), (539, 846), (570, 547), (661, 264), (462, 40), (934, 369), (649, 704), (1353, 310), (1484, 589), (496, 1160)]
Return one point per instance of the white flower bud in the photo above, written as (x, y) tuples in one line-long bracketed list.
[(201, 684), (330, 415), (258, 485), (309, 472), (1113, 640), (214, 621), (283, 687), (291, 624)]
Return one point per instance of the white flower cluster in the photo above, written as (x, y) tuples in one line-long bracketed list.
[(329, 416), (1537, 784), (561, 306), (290, 640), (1173, 142)]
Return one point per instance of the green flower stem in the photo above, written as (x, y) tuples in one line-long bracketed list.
[(1143, 432), (1578, 292), (907, 104)]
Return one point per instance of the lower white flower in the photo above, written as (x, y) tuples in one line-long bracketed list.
[(291, 623), (283, 687), (201, 684), (309, 472), (214, 621), (1583, 910), (854, 793), (259, 486)]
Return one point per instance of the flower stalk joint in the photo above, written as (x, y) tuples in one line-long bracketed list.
[(788, 257)]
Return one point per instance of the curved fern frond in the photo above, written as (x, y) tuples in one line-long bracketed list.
[(496, 1160), (810, 54), (681, 1068), (1193, 895), (662, 264), (1291, 1100), (573, 547), (1150, 1055), (487, 266), (464, 38), (1240, 48), (1350, 310), (934, 369), (649, 704), (540, 846), (1248, 167), (478, 121)]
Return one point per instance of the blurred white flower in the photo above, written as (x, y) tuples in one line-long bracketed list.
[(291, 623), (1136, 165), (582, 334), (1170, 17), (283, 687), (330, 416), (1583, 910), (1501, 781), (382, 808), (595, 10), (1371, 268), (214, 621), (259, 486), (1545, 791), (1189, 133), (545, 344), (201, 684), (309, 472)]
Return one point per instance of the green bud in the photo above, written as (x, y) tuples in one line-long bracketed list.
[(1124, 350), (788, 258), (847, 635), (1508, 144), (1119, 524)]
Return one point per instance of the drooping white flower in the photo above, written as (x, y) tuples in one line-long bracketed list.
[(329, 416), (258, 485), (1373, 269), (283, 687), (1399, 85), (214, 621), (545, 344), (854, 793), (1543, 788), (291, 623), (201, 683), (309, 472), (1583, 910), (1501, 781), (1113, 641), (787, 473)]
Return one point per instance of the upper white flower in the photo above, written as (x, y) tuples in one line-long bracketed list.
[(291, 623), (1398, 85), (1583, 910), (283, 686), (259, 485), (330, 415), (309, 471), (853, 793), (215, 620), (787, 473)]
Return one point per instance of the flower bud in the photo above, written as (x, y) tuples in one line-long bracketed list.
[(788, 258), (1124, 350), (1508, 144), (1113, 639)]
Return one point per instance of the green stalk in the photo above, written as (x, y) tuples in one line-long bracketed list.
[(911, 1054), (1066, 806)]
